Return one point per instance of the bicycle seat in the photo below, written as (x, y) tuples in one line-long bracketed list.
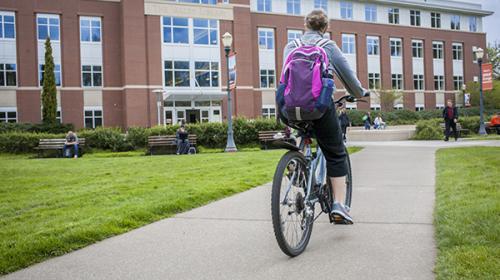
[(304, 128)]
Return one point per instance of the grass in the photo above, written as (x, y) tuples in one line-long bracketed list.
[(467, 214), (49, 207), (483, 137)]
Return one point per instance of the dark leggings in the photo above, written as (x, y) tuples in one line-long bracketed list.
[(450, 124), (329, 135)]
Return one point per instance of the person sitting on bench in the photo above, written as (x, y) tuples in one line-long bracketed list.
[(182, 141), (71, 140), (495, 122)]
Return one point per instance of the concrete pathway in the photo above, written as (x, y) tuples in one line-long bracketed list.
[(233, 239)]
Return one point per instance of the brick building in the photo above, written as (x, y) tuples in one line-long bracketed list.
[(111, 54)]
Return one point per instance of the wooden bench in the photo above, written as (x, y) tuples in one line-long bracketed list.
[(460, 130), (266, 137), (57, 145), (167, 143)]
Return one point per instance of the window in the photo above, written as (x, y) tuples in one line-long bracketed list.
[(266, 39), (438, 82), (374, 80), (455, 22), (396, 47), (7, 27), (346, 10), (8, 116), (269, 112), (417, 49), (176, 73), (93, 118), (48, 26), (264, 5), (175, 30), (212, 2), (372, 46), (473, 24), (348, 44), (8, 75), (207, 74), (57, 73), (415, 18), (294, 34), (321, 4), (267, 78), (394, 15), (91, 75), (457, 52), (397, 81), (436, 20), (437, 50), (371, 12), (418, 82), (205, 31), (293, 7), (90, 29), (458, 82)]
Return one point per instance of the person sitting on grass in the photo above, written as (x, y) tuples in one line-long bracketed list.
[(182, 141), (379, 123), (495, 122), (71, 141)]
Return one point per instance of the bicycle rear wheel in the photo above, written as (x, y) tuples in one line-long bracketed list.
[(292, 226)]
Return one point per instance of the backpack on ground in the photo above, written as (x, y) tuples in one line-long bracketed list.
[(306, 86)]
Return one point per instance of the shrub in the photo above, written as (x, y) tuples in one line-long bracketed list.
[(106, 138), (138, 136), (23, 142), (37, 127), (428, 130), (470, 123)]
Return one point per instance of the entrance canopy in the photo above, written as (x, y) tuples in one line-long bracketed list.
[(194, 96)]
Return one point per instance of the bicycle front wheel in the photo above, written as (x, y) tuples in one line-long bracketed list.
[(291, 222)]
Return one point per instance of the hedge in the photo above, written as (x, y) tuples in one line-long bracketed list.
[(23, 142), (431, 129), (35, 127)]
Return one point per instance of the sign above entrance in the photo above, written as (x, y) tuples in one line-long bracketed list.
[(232, 71), (487, 70)]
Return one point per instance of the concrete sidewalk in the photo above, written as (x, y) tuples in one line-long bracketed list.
[(233, 238)]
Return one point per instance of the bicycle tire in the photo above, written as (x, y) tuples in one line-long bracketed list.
[(276, 203)]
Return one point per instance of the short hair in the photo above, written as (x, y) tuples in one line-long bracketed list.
[(316, 20)]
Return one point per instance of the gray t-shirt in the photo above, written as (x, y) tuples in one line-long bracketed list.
[(337, 60)]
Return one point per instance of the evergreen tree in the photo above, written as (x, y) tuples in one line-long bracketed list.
[(49, 93)]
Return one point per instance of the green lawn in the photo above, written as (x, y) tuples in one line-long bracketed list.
[(49, 207), (467, 215)]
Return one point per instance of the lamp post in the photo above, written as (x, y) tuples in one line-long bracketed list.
[(479, 52), (227, 41), (159, 100), (464, 89)]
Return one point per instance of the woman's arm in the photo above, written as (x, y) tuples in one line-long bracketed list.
[(343, 70)]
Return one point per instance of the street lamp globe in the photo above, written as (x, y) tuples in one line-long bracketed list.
[(227, 40), (479, 53)]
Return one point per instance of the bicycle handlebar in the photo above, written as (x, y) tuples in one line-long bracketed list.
[(352, 99)]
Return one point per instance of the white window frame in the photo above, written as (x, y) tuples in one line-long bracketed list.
[(268, 114), (92, 72), (267, 75), (346, 10), (349, 43), (374, 78), (93, 109), (8, 110), (3, 14), (293, 7), (268, 35), (398, 78), (435, 20), (394, 12), (91, 26), (437, 50), (371, 12), (263, 7), (472, 23), (373, 43), (454, 25), (457, 51), (397, 45), (40, 74), (173, 70), (208, 29), (415, 18), (419, 78), (418, 46), (4, 74), (48, 17), (211, 71), (458, 82), (172, 26), (439, 84), (321, 4), (293, 34)]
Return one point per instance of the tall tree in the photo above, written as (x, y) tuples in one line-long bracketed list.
[(49, 93), (494, 57)]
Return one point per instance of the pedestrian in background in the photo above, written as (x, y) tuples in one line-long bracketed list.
[(367, 119), (344, 122), (450, 116)]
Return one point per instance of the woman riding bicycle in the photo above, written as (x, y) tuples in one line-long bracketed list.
[(327, 129)]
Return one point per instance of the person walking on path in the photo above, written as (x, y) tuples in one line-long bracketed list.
[(344, 122), (367, 119), (450, 116)]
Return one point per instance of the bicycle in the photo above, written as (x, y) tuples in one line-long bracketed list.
[(304, 174)]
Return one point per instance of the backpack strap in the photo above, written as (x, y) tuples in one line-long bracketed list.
[(298, 43), (322, 42)]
